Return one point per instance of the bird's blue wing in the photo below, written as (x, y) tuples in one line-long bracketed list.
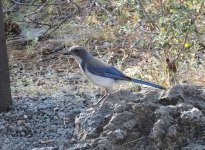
[(107, 71), (104, 70)]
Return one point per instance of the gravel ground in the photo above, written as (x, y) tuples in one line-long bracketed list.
[(41, 121)]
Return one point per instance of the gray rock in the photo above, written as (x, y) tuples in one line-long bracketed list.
[(90, 123), (46, 148), (194, 147), (191, 114), (167, 122)]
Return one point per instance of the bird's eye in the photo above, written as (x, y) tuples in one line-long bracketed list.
[(77, 50)]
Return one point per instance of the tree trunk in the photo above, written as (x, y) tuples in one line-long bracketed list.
[(5, 91)]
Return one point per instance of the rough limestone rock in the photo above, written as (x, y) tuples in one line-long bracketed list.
[(148, 120)]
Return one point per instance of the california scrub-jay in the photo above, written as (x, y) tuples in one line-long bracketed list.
[(101, 73)]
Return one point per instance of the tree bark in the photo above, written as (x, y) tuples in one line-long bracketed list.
[(5, 91)]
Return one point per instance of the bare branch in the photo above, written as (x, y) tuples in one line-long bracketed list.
[(140, 3), (51, 29), (28, 4), (182, 49), (101, 7), (75, 4), (39, 9), (58, 25)]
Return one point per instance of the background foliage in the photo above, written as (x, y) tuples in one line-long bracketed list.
[(158, 40)]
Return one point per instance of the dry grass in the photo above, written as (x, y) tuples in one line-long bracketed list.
[(120, 42)]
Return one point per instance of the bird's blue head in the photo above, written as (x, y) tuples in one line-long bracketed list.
[(78, 52)]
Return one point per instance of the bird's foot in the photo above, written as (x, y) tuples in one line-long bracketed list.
[(100, 102)]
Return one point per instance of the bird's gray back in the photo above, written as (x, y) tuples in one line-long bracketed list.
[(93, 61)]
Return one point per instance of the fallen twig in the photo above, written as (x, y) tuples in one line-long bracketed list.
[(52, 29), (20, 40), (38, 23)]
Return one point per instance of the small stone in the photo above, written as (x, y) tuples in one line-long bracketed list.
[(27, 125), (194, 113), (46, 148), (23, 133), (20, 129), (30, 114), (55, 117), (107, 45), (61, 131), (25, 116), (158, 129), (61, 115), (172, 131), (129, 125), (20, 122), (58, 94), (116, 136), (120, 108)]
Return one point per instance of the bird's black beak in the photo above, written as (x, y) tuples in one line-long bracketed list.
[(67, 53)]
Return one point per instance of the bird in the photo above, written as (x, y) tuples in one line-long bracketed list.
[(101, 73)]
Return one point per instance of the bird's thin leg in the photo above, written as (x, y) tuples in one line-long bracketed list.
[(103, 99)]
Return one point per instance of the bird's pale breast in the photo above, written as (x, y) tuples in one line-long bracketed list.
[(107, 83)]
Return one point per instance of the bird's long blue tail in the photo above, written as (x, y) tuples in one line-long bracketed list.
[(148, 83)]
